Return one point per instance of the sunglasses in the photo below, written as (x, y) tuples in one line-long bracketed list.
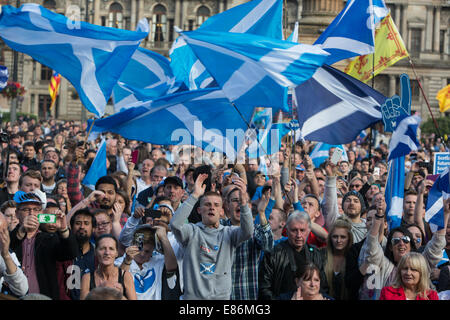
[(404, 239)]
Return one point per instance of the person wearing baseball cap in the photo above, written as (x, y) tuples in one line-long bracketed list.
[(174, 190), (28, 242)]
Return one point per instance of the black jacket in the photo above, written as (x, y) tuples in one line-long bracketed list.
[(276, 264), (49, 248)]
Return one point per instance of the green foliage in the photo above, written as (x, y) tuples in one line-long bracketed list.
[(6, 116), (442, 122)]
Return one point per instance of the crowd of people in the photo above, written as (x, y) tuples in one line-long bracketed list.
[(170, 223)]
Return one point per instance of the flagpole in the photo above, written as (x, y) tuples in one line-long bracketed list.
[(89, 132), (424, 96)]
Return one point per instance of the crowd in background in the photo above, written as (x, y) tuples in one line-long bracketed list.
[(168, 222)]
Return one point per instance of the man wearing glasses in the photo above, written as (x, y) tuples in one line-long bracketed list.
[(38, 251)]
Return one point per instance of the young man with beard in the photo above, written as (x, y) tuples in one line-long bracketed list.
[(48, 172), (82, 224), (108, 186), (353, 205)]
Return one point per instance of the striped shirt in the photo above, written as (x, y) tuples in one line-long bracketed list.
[(244, 270)]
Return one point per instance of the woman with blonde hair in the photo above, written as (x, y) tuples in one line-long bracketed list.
[(412, 281), (339, 241)]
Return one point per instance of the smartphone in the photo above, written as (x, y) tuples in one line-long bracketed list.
[(337, 154), (139, 240), (47, 218), (134, 156), (234, 175), (376, 171)]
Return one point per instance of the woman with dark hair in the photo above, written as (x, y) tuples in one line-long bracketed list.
[(418, 236), (308, 283), (107, 274), (399, 243)]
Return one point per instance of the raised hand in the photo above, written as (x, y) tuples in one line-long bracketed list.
[(199, 186), (397, 107)]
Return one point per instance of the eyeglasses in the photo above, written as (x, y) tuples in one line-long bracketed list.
[(29, 210), (404, 239), (356, 185), (104, 224)]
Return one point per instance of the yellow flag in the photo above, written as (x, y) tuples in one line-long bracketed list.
[(444, 98), (389, 48)]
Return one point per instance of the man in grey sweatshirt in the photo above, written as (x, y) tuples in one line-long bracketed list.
[(210, 246)]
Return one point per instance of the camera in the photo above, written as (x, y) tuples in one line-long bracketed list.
[(4, 137), (139, 240)]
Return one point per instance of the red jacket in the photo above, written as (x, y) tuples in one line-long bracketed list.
[(391, 293)]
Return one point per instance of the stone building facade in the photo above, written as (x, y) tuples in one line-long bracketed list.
[(423, 24)]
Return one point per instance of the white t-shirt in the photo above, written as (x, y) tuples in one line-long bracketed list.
[(141, 185), (147, 282)]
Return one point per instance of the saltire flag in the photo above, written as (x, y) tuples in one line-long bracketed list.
[(261, 17), (352, 32), (439, 192), (394, 192), (254, 70), (53, 87), (443, 96), (203, 118), (91, 57), (334, 107), (389, 48), (147, 76), (404, 139), (321, 153), (4, 74), (97, 168)]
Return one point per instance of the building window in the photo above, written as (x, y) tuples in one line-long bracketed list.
[(415, 91), (171, 27), (441, 41), (203, 13), (103, 21), (416, 40), (115, 16), (159, 22), (290, 16), (46, 73), (49, 4), (44, 106), (190, 25)]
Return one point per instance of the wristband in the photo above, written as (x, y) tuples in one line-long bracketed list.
[(379, 217), (126, 263), (66, 229)]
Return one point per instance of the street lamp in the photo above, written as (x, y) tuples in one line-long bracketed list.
[(14, 101)]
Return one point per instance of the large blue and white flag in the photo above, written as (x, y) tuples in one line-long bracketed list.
[(262, 17), (203, 118), (404, 139), (4, 74), (98, 167), (334, 107), (147, 76), (321, 153), (352, 32), (394, 192), (255, 70), (440, 191), (91, 57)]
